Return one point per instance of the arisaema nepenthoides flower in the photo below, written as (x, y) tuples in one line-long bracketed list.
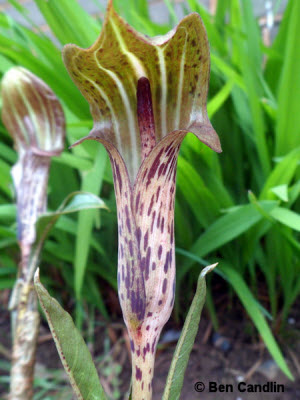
[(35, 119), (145, 95)]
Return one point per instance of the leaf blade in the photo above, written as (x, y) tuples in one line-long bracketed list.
[(186, 340), (84, 380)]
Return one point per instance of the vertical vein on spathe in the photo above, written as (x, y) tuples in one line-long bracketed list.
[(163, 100), (129, 113), (109, 105), (134, 61), (180, 86), (32, 115), (50, 133), (17, 118)]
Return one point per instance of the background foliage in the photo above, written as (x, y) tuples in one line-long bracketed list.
[(240, 208)]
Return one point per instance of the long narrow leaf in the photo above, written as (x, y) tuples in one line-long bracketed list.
[(186, 340), (73, 351)]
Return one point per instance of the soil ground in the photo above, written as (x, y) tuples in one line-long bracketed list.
[(238, 355)]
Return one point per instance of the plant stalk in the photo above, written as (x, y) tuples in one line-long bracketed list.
[(24, 343), (142, 375)]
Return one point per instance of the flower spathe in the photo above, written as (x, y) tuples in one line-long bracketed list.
[(35, 119), (145, 95)]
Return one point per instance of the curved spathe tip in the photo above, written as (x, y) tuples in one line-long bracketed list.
[(207, 135)]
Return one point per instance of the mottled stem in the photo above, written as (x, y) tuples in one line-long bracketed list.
[(31, 178), (25, 343), (142, 376)]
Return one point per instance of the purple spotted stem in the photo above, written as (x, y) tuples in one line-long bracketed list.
[(34, 117), (145, 95)]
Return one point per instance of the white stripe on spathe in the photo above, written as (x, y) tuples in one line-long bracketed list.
[(180, 85), (163, 100)]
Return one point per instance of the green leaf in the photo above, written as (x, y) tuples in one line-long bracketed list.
[(281, 192), (230, 226), (73, 351), (288, 120), (219, 99), (237, 221), (287, 217), (8, 211), (186, 340), (92, 181), (68, 21), (281, 174), (76, 201), (255, 313)]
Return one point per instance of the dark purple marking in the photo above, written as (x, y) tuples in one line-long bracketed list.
[(160, 302), (127, 279), (147, 263), (166, 266), (172, 172), (141, 209), (137, 304), (151, 205), (159, 251), (128, 225), (157, 193), (145, 116), (118, 175), (137, 201), (138, 374), (164, 287), (154, 167), (146, 241), (146, 349), (131, 248), (138, 236), (160, 170), (149, 314), (143, 262), (158, 221), (147, 327), (168, 149), (144, 174), (153, 266), (127, 219), (162, 224), (153, 219)]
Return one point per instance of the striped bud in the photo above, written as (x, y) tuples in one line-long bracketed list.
[(34, 117)]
